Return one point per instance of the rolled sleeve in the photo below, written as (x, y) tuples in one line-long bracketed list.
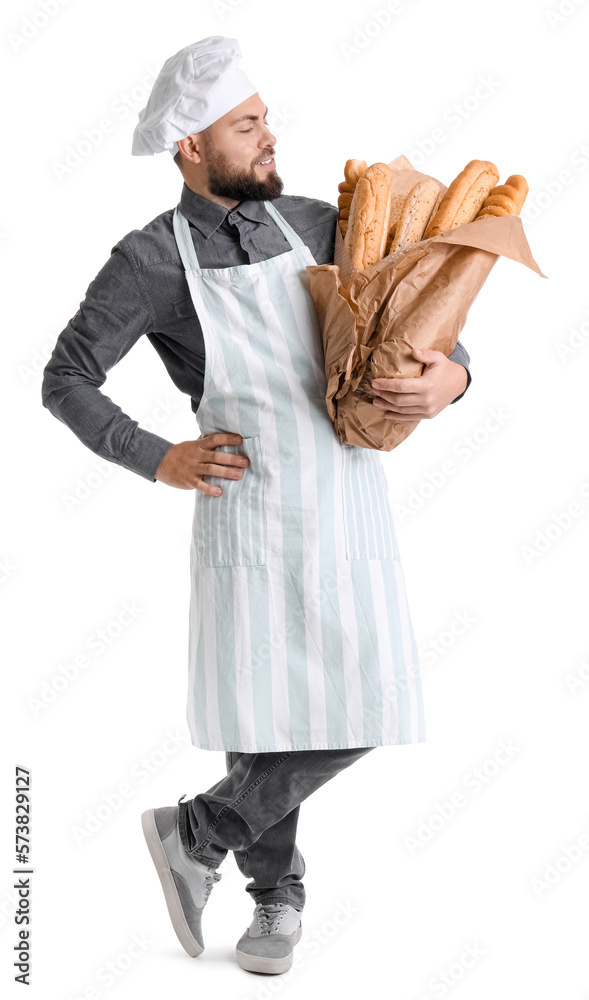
[(461, 356), (110, 320)]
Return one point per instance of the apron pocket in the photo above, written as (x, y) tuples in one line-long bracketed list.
[(369, 528), (230, 530)]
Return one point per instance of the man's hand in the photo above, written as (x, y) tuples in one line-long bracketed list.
[(442, 381), (186, 463)]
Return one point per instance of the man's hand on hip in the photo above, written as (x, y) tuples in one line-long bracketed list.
[(442, 381), (185, 464)]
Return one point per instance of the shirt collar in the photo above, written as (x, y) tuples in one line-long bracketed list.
[(208, 215)]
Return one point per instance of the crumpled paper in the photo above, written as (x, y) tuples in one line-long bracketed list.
[(371, 319)]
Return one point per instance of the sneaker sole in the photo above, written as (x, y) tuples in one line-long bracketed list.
[(160, 860), (259, 963)]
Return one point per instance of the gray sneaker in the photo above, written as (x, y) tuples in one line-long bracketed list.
[(267, 944), (186, 883)]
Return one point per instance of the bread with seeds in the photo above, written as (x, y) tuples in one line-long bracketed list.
[(417, 210)]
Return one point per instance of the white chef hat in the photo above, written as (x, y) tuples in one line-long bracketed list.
[(194, 87)]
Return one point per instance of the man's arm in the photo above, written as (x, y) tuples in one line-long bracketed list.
[(461, 357), (426, 395), (112, 317)]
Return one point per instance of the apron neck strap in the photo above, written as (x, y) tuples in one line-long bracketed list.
[(293, 238), (186, 244), (184, 241)]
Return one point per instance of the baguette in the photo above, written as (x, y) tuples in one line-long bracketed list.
[(352, 171), (506, 199), (417, 210), (392, 224), (368, 223), (390, 238), (401, 187), (443, 190), (464, 198)]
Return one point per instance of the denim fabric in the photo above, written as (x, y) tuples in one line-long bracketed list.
[(142, 290), (253, 811)]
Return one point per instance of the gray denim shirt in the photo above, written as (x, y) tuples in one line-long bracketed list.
[(142, 289)]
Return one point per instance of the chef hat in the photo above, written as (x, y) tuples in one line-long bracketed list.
[(194, 87)]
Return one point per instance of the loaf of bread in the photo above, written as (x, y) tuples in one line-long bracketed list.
[(352, 171), (506, 199), (419, 205), (368, 221), (381, 213), (464, 197)]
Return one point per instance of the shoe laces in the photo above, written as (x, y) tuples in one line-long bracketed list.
[(209, 881), (270, 915)]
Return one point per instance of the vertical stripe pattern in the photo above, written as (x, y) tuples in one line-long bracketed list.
[(300, 636)]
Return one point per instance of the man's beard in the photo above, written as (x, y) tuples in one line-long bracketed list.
[(226, 182)]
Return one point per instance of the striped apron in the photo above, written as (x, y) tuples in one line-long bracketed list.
[(300, 636)]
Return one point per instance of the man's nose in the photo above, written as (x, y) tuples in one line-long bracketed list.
[(269, 136)]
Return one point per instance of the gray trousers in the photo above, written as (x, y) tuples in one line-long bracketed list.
[(253, 811)]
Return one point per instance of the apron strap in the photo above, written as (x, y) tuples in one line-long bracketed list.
[(184, 240), (293, 238), (186, 244)]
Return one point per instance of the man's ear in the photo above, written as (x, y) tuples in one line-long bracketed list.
[(190, 147)]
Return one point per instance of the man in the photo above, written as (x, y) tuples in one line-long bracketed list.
[(301, 651)]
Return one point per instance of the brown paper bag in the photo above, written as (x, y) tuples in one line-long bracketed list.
[(420, 297)]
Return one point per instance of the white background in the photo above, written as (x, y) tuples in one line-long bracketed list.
[(378, 912)]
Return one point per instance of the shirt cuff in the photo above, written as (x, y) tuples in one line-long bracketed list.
[(468, 381), (461, 357), (146, 453)]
